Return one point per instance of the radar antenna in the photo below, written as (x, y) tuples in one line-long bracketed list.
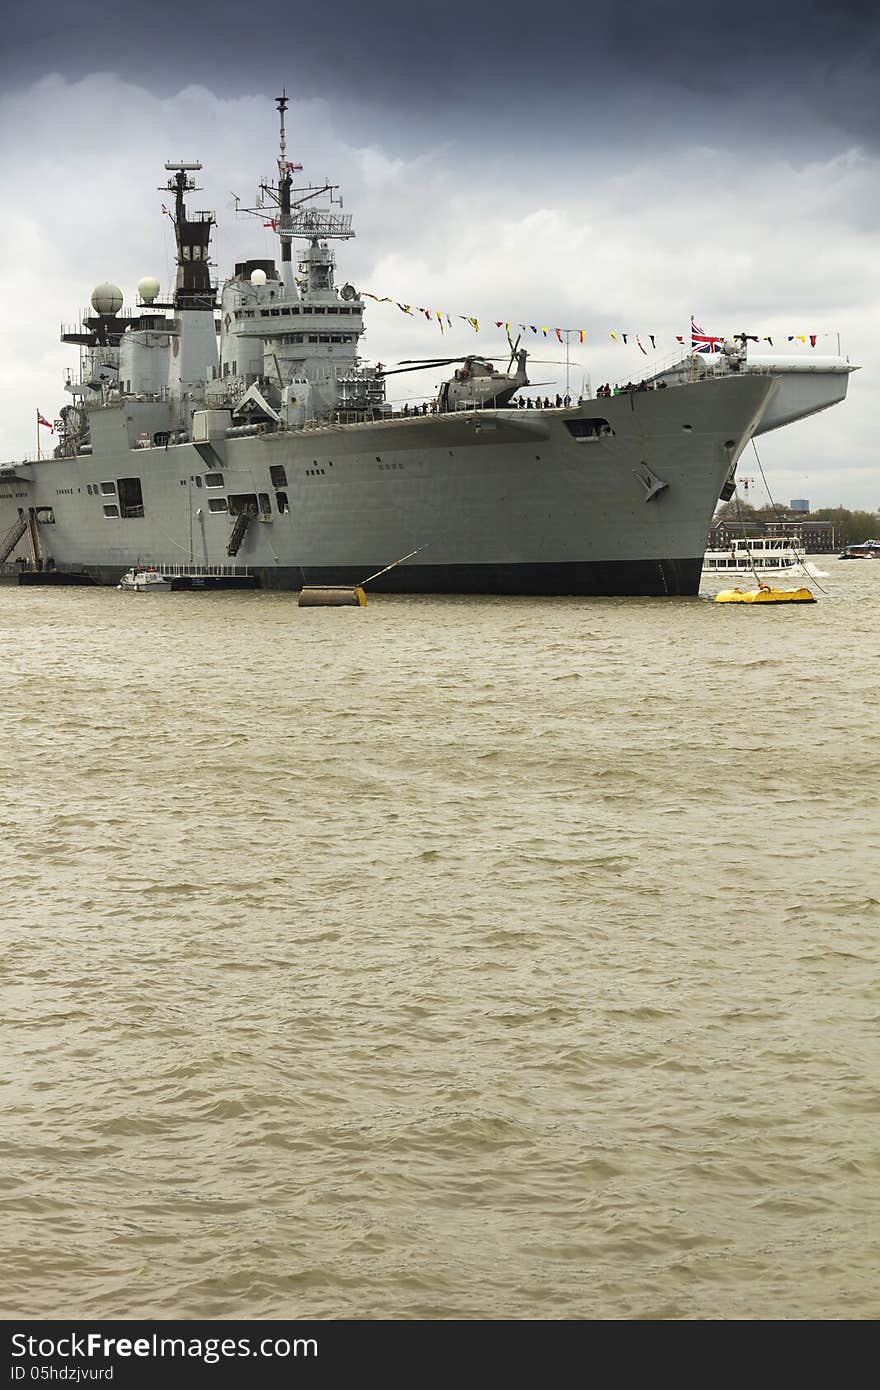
[(293, 218)]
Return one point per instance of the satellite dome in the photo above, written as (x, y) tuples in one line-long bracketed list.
[(148, 288), (107, 299), (258, 277)]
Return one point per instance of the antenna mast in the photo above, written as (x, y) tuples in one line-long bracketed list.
[(285, 182), (281, 103), (294, 218)]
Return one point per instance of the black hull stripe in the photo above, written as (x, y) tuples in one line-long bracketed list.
[(598, 579)]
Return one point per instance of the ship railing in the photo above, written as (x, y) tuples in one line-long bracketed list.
[(699, 366), (174, 569)]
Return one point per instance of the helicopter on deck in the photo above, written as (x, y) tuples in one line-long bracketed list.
[(476, 383)]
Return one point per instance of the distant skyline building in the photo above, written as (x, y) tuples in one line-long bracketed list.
[(799, 504)]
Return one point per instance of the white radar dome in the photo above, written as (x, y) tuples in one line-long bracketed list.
[(148, 288), (107, 299), (258, 277)]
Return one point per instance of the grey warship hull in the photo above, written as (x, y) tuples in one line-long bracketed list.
[(613, 497)]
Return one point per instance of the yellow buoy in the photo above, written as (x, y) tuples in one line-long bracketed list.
[(765, 595), (332, 596)]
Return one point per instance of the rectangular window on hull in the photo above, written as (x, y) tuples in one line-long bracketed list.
[(265, 504), (111, 509), (278, 475), (595, 428), (243, 503), (216, 504), (213, 480), (108, 489), (131, 498), (282, 503)]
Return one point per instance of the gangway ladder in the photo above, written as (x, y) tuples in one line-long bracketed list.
[(238, 530), (27, 521), (34, 537), (12, 537)]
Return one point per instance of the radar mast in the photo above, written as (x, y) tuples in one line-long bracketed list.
[(286, 205), (193, 235)]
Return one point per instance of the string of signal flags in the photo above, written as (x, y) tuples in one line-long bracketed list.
[(699, 341)]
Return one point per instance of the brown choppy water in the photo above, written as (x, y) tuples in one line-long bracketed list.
[(450, 958)]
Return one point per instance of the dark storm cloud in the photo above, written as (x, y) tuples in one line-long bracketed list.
[(454, 63)]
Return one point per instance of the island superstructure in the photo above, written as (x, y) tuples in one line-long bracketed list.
[(244, 432)]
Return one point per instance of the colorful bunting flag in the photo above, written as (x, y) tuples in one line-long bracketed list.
[(700, 342)]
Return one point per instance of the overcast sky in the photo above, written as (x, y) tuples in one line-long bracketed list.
[(611, 168)]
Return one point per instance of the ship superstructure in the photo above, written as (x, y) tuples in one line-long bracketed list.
[(241, 430), (288, 335)]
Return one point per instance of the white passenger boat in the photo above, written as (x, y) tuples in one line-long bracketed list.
[(145, 582), (757, 555)]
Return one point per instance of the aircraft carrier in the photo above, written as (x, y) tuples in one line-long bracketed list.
[(236, 430)]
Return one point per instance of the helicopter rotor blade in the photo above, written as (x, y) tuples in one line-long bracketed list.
[(418, 367), (416, 364)]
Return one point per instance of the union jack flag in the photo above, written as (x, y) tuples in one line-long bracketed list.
[(704, 342)]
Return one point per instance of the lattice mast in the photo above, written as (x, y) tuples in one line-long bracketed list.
[(291, 211)]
